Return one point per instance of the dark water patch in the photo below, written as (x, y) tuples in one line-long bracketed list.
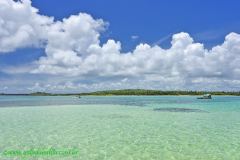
[(186, 110)]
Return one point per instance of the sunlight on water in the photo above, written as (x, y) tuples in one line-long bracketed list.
[(124, 127)]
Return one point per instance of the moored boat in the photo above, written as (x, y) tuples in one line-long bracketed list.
[(205, 96)]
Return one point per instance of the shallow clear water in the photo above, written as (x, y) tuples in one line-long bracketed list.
[(125, 127)]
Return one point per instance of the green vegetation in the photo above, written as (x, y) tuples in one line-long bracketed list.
[(40, 94), (136, 92), (156, 92), (51, 94)]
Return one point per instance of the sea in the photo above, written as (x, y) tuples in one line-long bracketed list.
[(120, 127)]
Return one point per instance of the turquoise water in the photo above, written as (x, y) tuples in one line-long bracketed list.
[(122, 128)]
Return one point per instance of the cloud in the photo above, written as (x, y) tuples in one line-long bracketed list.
[(21, 25), (134, 37), (73, 50), (163, 39)]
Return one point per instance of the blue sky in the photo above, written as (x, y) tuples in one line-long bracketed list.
[(153, 21), (207, 21), (131, 23)]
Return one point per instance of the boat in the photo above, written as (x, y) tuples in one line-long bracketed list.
[(205, 96)]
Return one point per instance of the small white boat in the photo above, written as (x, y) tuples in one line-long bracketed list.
[(205, 96)]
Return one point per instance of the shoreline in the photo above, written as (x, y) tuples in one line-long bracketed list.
[(130, 92), (76, 95)]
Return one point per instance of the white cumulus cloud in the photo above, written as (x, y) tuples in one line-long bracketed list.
[(73, 49), (21, 25)]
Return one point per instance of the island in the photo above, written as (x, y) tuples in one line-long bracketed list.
[(128, 92)]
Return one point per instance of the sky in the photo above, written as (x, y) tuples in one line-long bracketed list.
[(74, 46)]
